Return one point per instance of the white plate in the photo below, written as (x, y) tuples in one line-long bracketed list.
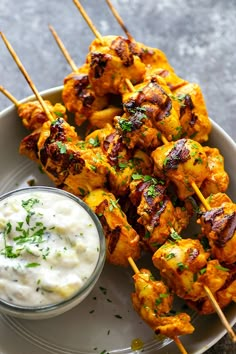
[(105, 321)]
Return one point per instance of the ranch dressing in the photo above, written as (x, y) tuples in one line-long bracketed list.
[(49, 247)]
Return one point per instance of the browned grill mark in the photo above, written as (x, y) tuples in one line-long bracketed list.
[(178, 154), (99, 63), (223, 225), (112, 235), (123, 51)]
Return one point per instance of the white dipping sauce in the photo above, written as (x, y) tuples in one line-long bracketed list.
[(49, 247)]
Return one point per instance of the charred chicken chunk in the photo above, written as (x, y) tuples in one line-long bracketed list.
[(193, 112), (151, 57), (217, 179), (153, 301), (222, 284), (138, 133), (33, 115), (179, 263), (29, 145), (182, 162), (219, 226), (155, 210), (151, 101), (122, 241), (111, 63), (79, 96), (67, 162), (172, 80)]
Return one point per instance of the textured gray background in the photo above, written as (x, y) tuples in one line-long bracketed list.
[(198, 37)]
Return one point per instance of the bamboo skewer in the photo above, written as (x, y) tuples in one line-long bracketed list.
[(175, 338), (27, 77), (9, 96), (119, 20), (220, 313), (88, 20), (63, 49)]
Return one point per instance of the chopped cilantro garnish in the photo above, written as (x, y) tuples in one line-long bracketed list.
[(32, 265), (62, 147)]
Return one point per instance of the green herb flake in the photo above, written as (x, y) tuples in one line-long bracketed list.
[(181, 266), (94, 141), (169, 256), (202, 271), (136, 176), (220, 267), (175, 236), (62, 147), (59, 114), (32, 265), (125, 125)]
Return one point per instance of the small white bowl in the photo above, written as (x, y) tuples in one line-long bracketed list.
[(76, 207)]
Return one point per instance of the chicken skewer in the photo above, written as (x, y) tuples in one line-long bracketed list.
[(207, 290), (181, 263), (193, 184), (111, 61), (174, 337), (192, 111), (79, 96)]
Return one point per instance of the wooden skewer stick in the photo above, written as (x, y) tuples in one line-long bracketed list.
[(9, 96), (220, 314), (119, 20), (175, 338), (63, 49), (27, 77), (88, 20)]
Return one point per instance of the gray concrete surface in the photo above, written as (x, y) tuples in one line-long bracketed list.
[(198, 36)]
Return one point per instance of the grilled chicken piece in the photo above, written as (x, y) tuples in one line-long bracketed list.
[(151, 101), (193, 112), (123, 162), (219, 226), (217, 179), (185, 268), (33, 115), (68, 162), (29, 145), (153, 301), (179, 263), (172, 80), (79, 96), (122, 241), (111, 63), (151, 57), (191, 107), (222, 283), (120, 175), (156, 211), (138, 133), (182, 162), (99, 119)]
